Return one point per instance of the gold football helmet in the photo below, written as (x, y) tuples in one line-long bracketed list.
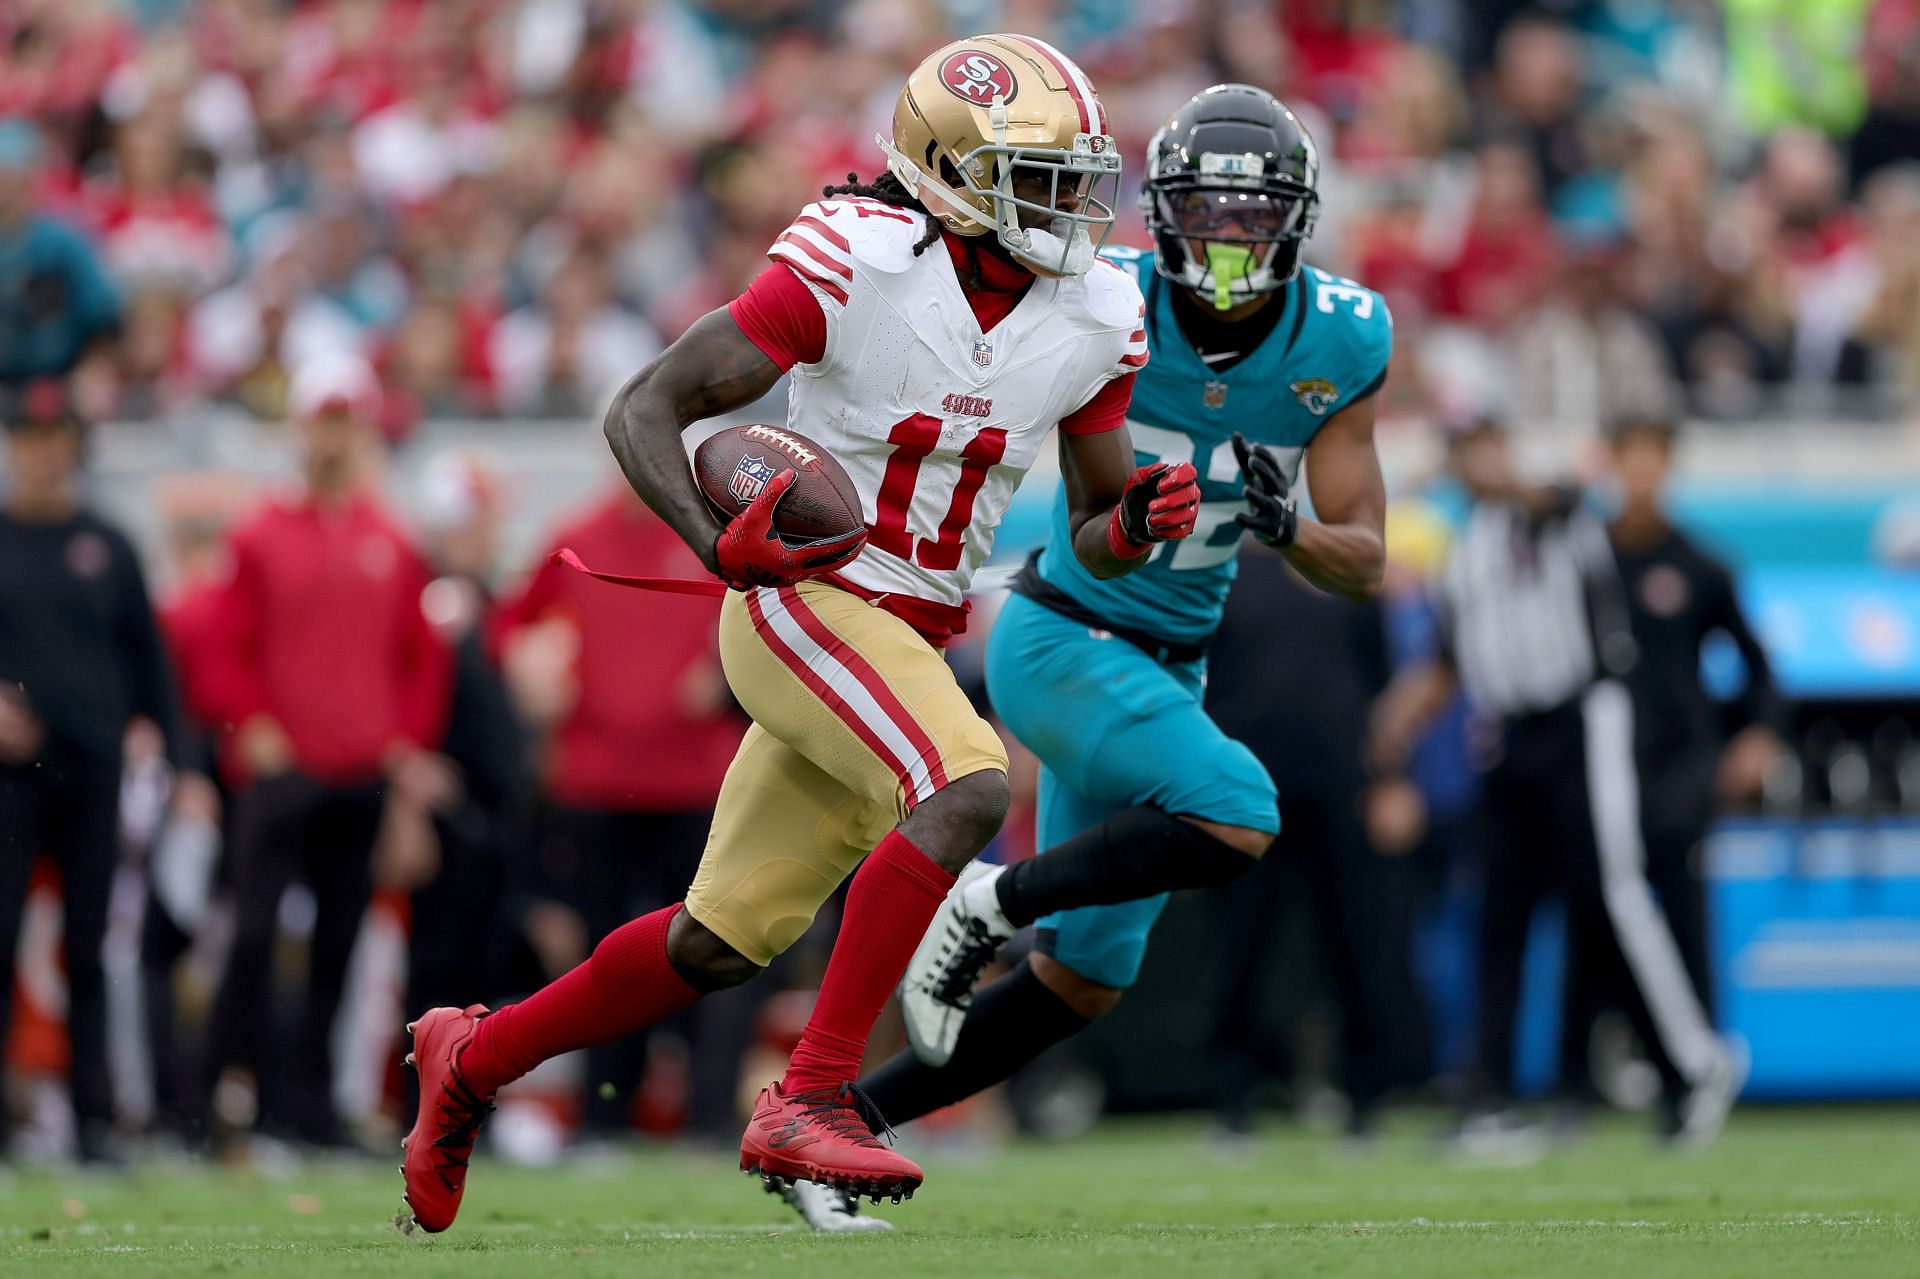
[(989, 111)]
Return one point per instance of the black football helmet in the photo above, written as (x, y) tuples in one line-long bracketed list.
[(1231, 194)]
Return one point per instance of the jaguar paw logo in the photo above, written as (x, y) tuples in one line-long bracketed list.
[(1315, 394)]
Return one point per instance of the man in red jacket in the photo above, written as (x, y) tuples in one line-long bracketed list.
[(336, 695), (640, 729)]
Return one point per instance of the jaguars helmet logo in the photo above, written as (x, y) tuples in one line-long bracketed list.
[(1315, 394)]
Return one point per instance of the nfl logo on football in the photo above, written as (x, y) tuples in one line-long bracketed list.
[(749, 478), (982, 352)]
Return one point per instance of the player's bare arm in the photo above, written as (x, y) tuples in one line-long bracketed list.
[(1117, 511), (712, 369), (1343, 549)]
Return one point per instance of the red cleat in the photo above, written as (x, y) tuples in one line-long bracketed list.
[(450, 1117), (826, 1136)]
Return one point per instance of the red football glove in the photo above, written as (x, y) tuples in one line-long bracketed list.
[(750, 552), (1160, 504)]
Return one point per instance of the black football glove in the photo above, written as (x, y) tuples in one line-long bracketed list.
[(1270, 507)]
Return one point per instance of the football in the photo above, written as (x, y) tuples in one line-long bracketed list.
[(733, 465)]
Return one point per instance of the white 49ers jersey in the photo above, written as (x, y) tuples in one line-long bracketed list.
[(935, 421)]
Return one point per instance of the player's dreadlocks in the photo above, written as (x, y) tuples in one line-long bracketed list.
[(890, 190)]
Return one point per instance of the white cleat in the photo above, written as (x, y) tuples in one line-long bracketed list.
[(1704, 1110), (824, 1207), (966, 933), (1499, 1139)]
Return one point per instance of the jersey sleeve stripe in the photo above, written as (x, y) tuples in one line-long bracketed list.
[(809, 272), (828, 256), (823, 257), (824, 231), (1137, 360), (1084, 98)]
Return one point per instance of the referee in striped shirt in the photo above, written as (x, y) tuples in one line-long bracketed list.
[(1535, 631)]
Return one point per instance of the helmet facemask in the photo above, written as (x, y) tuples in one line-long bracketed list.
[(1230, 231), (999, 181)]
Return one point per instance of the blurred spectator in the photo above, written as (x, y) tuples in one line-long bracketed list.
[(268, 182), (336, 697), (56, 307), (407, 152), (1799, 198), (154, 217), (458, 935), (80, 657), (1862, 325), (1417, 114), (426, 371), (1310, 734), (1538, 80), (58, 56), (1890, 133), (1585, 356), (350, 269), (1507, 255), (1677, 596), (243, 340), (1426, 812), (182, 863), (569, 354), (638, 731)]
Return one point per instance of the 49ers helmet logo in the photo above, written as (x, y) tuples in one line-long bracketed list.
[(977, 77)]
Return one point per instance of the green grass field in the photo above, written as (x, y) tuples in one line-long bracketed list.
[(1787, 1192)]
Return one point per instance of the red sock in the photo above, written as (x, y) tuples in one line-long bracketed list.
[(893, 898), (625, 986)]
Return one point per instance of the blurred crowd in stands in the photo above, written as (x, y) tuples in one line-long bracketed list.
[(507, 205)]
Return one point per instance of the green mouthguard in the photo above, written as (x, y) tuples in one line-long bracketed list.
[(1226, 261)]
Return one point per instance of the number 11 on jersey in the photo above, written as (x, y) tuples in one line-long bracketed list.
[(915, 439)]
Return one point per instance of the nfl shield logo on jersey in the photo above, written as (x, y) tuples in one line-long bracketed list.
[(749, 478), (1214, 395), (982, 352)]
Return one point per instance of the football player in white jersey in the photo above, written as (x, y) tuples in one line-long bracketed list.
[(939, 324)]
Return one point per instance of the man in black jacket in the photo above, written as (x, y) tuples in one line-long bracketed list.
[(1677, 595), (80, 656)]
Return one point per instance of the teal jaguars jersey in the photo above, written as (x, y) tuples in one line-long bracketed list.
[(1329, 349)]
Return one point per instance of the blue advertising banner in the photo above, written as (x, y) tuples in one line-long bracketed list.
[(1837, 632), (1817, 949)]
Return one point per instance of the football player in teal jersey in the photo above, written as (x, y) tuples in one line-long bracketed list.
[(1258, 362)]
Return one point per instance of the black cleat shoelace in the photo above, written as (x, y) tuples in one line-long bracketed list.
[(974, 952), (847, 1110), (455, 1142)]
